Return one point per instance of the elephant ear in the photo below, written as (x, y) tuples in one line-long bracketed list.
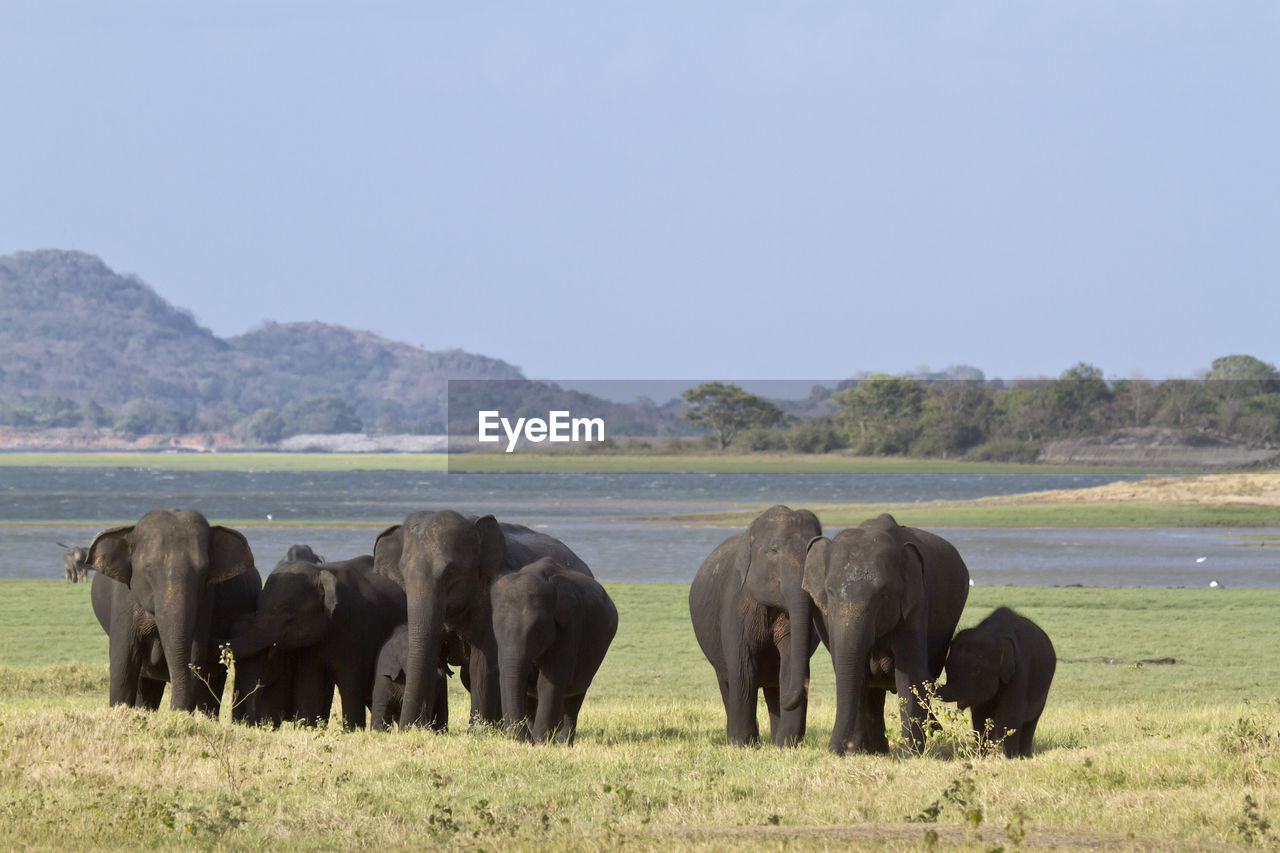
[(386, 553), (493, 546), (112, 554), (1008, 658), (815, 571), (328, 583), (742, 558), (229, 554), (912, 580)]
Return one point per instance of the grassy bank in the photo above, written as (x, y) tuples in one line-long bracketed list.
[(604, 463), (1130, 756), (979, 514)]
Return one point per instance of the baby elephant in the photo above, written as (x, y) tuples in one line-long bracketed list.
[(553, 627), (75, 563), (389, 679), (1001, 671)]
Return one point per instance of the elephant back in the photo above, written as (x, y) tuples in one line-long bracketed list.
[(525, 546)]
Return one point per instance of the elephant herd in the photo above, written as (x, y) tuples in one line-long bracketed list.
[(885, 600), (521, 619), (515, 610)]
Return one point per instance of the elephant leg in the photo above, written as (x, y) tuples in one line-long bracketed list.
[(352, 690), (774, 705), (440, 713), (569, 728), (1011, 744), (869, 734), (555, 675), (742, 687), (126, 667), (740, 708), (1025, 736), (150, 690), (786, 728), (312, 693), (486, 693)]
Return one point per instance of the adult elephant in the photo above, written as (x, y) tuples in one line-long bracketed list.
[(446, 563), (334, 617), (752, 616), (888, 599), (233, 599), (160, 609)]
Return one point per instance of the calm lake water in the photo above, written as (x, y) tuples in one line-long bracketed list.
[(594, 514)]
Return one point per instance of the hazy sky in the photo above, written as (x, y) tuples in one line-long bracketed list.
[(685, 189)]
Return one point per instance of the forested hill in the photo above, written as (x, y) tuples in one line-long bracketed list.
[(76, 335)]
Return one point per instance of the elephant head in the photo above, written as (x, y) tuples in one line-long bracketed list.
[(168, 560), (872, 585), (978, 663), (301, 553), (771, 563), (295, 610), (445, 562)]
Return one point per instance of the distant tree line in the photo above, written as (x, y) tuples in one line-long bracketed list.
[(883, 415), (318, 413), (1237, 399)]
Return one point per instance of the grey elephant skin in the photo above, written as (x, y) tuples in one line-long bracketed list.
[(752, 617), (888, 599), (553, 627), (446, 564), (154, 596), (264, 688), (75, 562), (333, 617), (301, 553), (233, 599), (389, 680), (1001, 670)]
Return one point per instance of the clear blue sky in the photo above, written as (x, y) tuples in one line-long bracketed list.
[(685, 189)]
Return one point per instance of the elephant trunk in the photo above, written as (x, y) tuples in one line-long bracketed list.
[(851, 647), (381, 699), (423, 643), (513, 674), (176, 620), (252, 642), (800, 612)]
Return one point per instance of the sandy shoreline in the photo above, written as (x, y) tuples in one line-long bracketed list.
[(1261, 488)]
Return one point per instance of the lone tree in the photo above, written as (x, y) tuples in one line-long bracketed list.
[(727, 410)]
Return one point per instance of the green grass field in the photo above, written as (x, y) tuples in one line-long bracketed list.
[(1130, 756)]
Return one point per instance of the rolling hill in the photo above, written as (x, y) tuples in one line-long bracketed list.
[(70, 327)]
